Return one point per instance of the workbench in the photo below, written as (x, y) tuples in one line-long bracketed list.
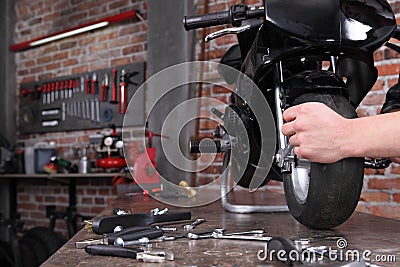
[(362, 232)]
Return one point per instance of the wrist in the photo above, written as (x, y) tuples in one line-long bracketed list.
[(351, 146)]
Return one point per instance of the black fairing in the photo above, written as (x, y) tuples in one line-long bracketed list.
[(362, 23)]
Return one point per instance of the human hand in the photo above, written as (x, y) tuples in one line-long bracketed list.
[(317, 132)]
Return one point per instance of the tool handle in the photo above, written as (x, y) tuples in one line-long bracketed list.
[(282, 244), (135, 229), (87, 82), (150, 234), (123, 95), (114, 86), (111, 250), (103, 91), (94, 84)]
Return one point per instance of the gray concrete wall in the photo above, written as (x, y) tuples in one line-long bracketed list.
[(169, 44), (7, 95)]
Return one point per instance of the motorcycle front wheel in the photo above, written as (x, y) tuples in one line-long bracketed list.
[(323, 196)]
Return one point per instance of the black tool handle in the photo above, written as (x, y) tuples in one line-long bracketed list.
[(103, 225), (130, 230), (150, 234), (110, 250), (282, 244)]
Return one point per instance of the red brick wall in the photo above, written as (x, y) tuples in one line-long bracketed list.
[(118, 44)]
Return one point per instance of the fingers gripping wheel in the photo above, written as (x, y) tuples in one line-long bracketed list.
[(323, 196)]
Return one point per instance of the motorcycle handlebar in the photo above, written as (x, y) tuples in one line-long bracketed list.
[(232, 16), (207, 20)]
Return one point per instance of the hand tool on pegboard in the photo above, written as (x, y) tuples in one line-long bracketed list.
[(56, 92), (125, 80), (94, 84), (78, 108), (87, 84), (113, 99), (104, 87)]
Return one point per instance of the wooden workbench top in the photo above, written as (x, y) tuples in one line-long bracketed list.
[(362, 232)]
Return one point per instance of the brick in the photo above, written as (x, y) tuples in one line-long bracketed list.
[(50, 49), (61, 55), (98, 66), (36, 70), (53, 66), (23, 197), (99, 200), (378, 55), (213, 169), (80, 69), (23, 72), (139, 38), (396, 197), (388, 69), (374, 99), (374, 171), (375, 197), (385, 211), (132, 49), (43, 60), (70, 62), (119, 42), (117, 4), (49, 199), (61, 199), (87, 200), (217, 89), (378, 86), (362, 208), (68, 45), (27, 206), (388, 183), (208, 124), (57, 190), (29, 63), (104, 191), (96, 209), (120, 61), (77, 52), (395, 169), (76, 17), (91, 191), (35, 21), (98, 47)]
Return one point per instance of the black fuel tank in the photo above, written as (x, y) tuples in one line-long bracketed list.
[(362, 23)]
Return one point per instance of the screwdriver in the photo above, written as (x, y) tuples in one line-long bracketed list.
[(104, 87)]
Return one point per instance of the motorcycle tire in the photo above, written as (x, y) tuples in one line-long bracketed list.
[(333, 189)]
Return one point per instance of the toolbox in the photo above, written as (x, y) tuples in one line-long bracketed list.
[(83, 101)]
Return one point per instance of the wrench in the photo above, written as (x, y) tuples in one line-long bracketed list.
[(240, 237), (193, 224)]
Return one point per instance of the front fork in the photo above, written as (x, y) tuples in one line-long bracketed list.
[(284, 147)]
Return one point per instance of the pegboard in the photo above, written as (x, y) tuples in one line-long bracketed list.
[(82, 101)]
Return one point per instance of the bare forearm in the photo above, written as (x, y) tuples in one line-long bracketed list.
[(321, 135), (375, 136)]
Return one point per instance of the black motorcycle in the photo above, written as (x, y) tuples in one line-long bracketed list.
[(297, 52)]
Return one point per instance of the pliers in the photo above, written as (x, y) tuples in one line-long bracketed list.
[(145, 255)]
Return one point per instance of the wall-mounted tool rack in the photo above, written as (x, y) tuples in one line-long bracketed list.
[(84, 101)]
